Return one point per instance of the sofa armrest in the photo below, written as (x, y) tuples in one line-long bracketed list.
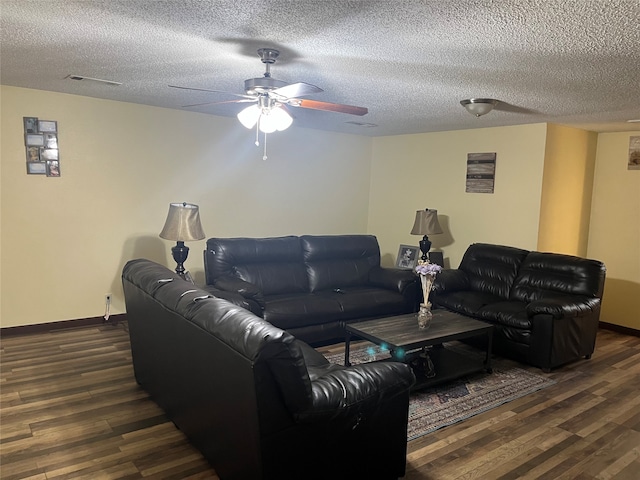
[(559, 306), (396, 279), (250, 291), (349, 393), (450, 280)]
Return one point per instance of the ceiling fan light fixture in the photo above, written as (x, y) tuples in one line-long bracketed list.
[(479, 106), (269, 119), (280, 118), (249, 116)]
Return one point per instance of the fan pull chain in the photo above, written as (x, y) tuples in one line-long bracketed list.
[(264, 157)]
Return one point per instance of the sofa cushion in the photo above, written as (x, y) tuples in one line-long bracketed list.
[(339, 261), (274, 265), (492, 268), (465, 302), (509, 313), (545, 275), (295, 310)]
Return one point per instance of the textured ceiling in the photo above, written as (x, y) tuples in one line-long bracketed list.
[(572, 62)]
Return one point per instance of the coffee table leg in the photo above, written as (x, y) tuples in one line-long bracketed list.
[(487, 361), (347, 345)]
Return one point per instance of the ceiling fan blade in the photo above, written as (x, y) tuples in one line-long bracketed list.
[(331, 107), (213, 91), (299, 89), (246, 100)]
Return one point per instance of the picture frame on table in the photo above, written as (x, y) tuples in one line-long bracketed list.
[(407, 257), (437, 258)]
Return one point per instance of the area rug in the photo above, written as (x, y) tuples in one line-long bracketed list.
[(437, 407)]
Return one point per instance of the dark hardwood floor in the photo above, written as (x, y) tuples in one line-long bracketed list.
[(71, 409)]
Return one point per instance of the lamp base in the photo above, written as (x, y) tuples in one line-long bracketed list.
[(180, 253), (425, 246)]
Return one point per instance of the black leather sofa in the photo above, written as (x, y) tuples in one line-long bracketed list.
[(258, 403), (311, 285), (545, 306)]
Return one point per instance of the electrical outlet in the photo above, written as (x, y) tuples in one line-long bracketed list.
[(107, 298)]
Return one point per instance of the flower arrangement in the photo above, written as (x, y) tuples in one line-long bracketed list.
[(427, 272)]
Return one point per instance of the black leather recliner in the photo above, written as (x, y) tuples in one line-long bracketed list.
[(311, 285), (545, 307), (258, 403)]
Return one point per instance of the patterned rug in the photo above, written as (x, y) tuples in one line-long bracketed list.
[(437, 407)]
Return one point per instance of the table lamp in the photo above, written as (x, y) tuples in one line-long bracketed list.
[(182, 225), (426, 223)]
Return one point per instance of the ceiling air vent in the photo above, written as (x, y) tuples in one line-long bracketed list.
[(99, 80), (362, 124)]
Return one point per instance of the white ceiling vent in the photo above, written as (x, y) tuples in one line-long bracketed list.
[(99, 80)]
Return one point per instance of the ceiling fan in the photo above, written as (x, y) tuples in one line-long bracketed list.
[(272, 97)]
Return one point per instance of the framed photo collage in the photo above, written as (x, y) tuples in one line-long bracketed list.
[(41, 145)]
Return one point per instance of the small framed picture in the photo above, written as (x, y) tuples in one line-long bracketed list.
[(37, 140), (407, 256), (53, 168), (33, 154), (47, 126), (437, 258), (30, 124), (49, 154), (50, 140), (36, 168)]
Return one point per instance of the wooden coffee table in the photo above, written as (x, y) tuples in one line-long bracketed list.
[(409, 344)]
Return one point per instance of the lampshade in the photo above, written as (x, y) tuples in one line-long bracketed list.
[(183, 223), (249, 116), (269, 118), (426, 223), (479, 106)]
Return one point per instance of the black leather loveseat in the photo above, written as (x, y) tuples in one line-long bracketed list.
[(545, 307), (258, 403), (311, 285)]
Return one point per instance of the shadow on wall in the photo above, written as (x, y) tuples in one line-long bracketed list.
[(444, 239), (621, 303), (149, 247)]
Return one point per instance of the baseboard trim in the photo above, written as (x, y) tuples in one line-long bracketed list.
[(620, 329), (62, 325)]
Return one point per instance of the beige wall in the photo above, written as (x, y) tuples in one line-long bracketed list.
[(64, 240), (412, 172), (567, 187), (614, 235)]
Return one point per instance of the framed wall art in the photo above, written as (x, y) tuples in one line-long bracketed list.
[(634, 153), (481, 172), (41, 144)]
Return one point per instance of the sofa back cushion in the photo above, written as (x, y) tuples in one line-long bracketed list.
[(243, 342), (492, 268), (274, 265), (546, 274), (339, 261)]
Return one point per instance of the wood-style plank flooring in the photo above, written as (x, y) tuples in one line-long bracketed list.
[(71, 409)]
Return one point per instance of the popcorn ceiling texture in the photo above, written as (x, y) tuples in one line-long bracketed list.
[(410, 62)]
